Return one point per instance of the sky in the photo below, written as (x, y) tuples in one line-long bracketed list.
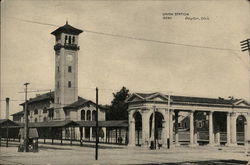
[(109, 62)]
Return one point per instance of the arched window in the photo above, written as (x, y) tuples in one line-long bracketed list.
[(66, 38), (82, 115), (88, 115), (93, 115), (35, 120), (44, 119), (36, 112), (44, 110), (69, 39)]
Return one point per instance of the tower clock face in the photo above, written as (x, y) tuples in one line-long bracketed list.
[(69, 57)]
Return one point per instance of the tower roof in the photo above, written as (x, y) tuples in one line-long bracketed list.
[(67, 29)]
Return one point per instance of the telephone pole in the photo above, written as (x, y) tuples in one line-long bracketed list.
[(26, 128), (245, 46), (97, 130)]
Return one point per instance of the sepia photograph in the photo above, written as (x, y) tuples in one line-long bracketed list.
[(130, 82)]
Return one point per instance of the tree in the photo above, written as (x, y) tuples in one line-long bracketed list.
[(118, 108)]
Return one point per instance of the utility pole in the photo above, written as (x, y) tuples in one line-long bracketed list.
[(97, 130), (245, 45), (26, 128), (169, 115)]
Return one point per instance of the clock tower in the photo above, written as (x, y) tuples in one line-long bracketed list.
[(66, 68)]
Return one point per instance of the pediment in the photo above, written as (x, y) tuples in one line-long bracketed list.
[(134, 98), (241, 103), (157, 98)]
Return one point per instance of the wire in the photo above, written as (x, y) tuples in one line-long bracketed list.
[(134, 38)]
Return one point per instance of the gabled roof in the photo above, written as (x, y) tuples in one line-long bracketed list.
[(67, 29), (82, 102), (7, 122), (185, 99), (18, 113), (45, 96)]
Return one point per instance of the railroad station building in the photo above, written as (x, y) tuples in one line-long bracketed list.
[(62, 114)]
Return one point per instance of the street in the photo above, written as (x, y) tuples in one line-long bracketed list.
[(110, 154)]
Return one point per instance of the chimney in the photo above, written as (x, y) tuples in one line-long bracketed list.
[(7, 107)]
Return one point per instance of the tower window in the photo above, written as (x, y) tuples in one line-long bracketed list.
[(73, 39), (66, 38), (58, 69), (69, 69), (69, 39), (69, 84)]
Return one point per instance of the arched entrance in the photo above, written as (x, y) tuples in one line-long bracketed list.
[(138, 128), (156, 133), (241, 124)]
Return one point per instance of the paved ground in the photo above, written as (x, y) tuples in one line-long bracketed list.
[(111, 154)]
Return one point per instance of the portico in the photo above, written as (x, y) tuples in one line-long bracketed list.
[(157, 115)]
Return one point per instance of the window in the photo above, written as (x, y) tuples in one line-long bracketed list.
[(44, 119), (36, 112), (58, 85), (73, 39), (69, 84), (82, 115), (58, 69), (69, 39), (44, 110), (88, 115), (35, 120), (69, 69), (66, 38), (93, 115)]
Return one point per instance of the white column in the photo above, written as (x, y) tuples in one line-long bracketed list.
[(166, 130), (228, 129), (195, 130), (211, 129), (90, 133), (171, 127), (191, 123), (233, 129), (104, 133), (83, 133), (131, 140), (145, 128)]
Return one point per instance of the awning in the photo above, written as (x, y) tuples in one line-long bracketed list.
[(110, 123), (50, 124)]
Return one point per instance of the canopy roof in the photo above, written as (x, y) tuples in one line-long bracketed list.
[(50, 124), (110, 123)]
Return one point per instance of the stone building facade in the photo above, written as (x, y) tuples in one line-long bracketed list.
[(163, 110)]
